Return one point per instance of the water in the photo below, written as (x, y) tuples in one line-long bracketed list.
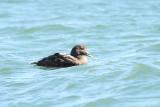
[(122, 36)]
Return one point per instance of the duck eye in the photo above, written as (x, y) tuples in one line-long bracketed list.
[(82, 48)]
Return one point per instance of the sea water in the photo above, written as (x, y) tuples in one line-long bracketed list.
[(123, 37)]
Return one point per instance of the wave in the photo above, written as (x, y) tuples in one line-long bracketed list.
[(142, 71)]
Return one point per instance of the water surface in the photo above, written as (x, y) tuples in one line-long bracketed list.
[(122, 36)]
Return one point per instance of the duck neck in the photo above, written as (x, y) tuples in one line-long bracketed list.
[(82, 59)]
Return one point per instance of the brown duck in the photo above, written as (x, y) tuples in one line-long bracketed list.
[(77, 56)]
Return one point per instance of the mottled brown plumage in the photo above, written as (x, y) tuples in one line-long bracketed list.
[(77, 56)]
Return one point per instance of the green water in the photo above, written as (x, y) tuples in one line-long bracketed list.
[(122, 36)]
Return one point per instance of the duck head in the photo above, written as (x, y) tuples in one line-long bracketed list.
[(79, 50)]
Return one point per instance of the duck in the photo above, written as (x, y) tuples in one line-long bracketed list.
[(77, 56)]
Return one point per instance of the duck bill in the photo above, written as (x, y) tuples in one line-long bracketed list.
[(89, 55)]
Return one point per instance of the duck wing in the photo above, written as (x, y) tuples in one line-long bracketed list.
[(58, 60)]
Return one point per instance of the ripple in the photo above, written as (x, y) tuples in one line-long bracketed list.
[(56, 27), (13, 1), (141, 71), (4, 15), (99, 102), (154, 47), (23, 30), (5, 70)]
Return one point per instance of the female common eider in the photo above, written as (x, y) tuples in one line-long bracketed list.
[(77, 56)]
